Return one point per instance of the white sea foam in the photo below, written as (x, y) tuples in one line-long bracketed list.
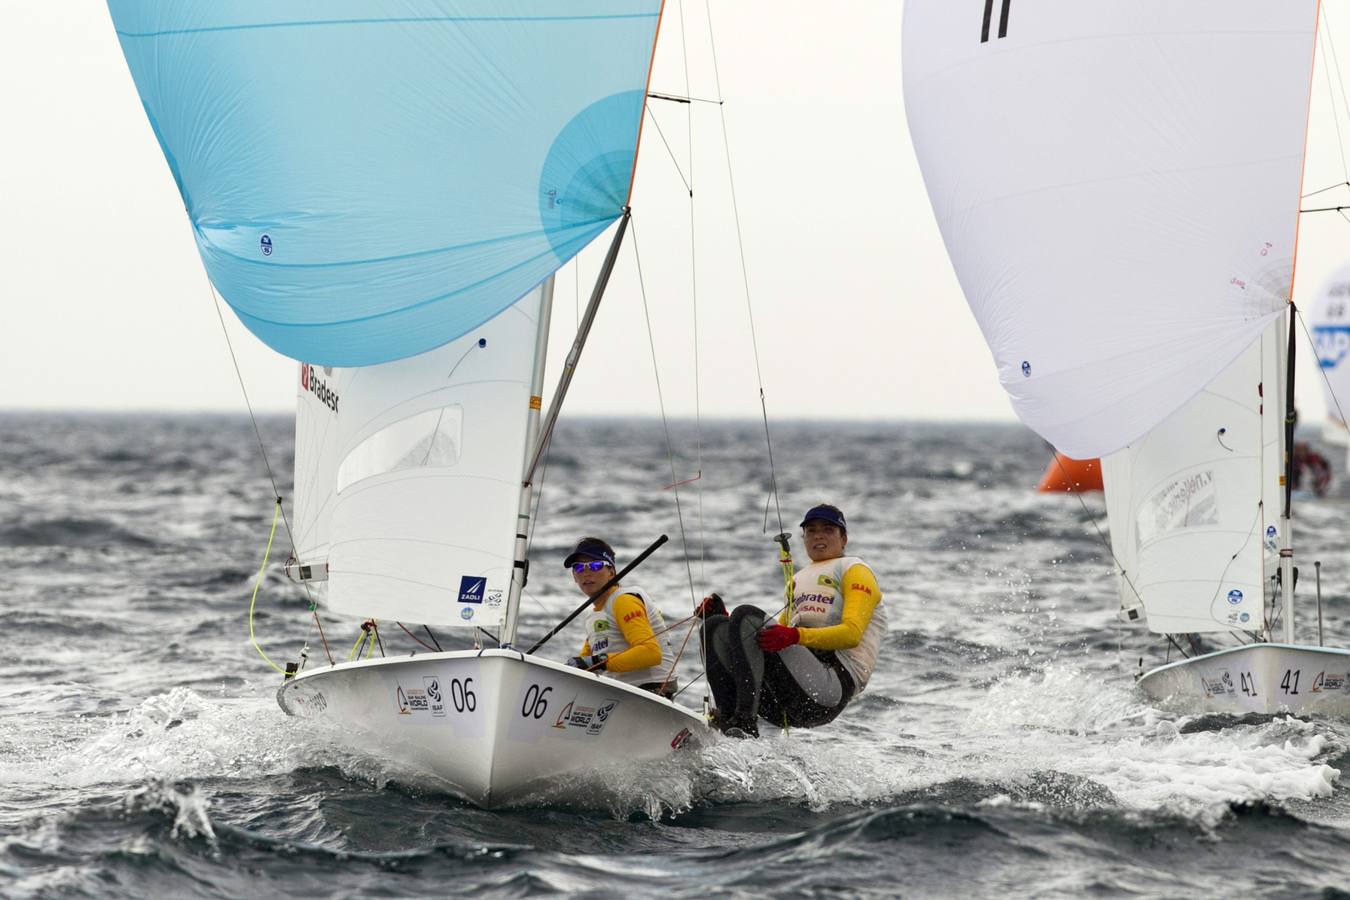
[(1067, 721)]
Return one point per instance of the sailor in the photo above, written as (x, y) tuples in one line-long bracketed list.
[(626, 634), (1308, 463), (803, 670)]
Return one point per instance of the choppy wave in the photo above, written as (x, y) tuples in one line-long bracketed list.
[(1001, 747)]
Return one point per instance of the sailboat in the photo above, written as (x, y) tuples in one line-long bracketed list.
[(1329, 318), (1118, 187), (383, 191)]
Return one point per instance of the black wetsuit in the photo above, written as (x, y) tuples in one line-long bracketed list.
[(797, 687)]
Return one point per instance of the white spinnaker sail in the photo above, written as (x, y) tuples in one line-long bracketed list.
[(1194, 505), (1330, 320), (1117, 184), (418, 475)]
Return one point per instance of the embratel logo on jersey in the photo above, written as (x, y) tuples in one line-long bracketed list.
[(471, 589), (310, 381)]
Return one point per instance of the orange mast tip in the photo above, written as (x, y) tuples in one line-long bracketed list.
[(1071, 475)]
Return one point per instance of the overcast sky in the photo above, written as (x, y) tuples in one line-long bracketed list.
[(857, 311)]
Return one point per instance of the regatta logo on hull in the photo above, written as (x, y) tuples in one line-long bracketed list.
[(310, 381)]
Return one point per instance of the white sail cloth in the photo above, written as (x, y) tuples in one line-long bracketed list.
[(1194, 504), (1118, 188), (408, 475)]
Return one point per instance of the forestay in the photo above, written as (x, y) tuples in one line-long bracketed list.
[(1330, 319), (1194, 505), (1117, 184), (408, 475), (369, 179)]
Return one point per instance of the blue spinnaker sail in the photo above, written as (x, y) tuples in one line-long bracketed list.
[(369, 180)]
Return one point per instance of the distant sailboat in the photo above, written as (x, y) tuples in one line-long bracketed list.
[(1118, 187), (1329, 318), (1072, 476), (383, 191)]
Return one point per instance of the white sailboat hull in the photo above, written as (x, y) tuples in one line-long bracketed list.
[(492, 726), (1256, 678)]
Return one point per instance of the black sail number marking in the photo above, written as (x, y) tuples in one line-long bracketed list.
[(535, 704), (989, 18), (462, 696)]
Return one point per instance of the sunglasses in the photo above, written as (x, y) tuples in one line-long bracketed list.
[(594, 565)]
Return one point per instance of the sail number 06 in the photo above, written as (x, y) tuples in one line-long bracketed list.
[(461, 694), (535, 704)]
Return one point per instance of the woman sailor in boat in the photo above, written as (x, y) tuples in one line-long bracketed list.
[(803, 670), (620, 641)]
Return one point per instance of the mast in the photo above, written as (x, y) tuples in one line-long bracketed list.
[(520, 568), (1287, 512), (538, 434)]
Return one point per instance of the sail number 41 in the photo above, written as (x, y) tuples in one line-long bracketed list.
[(1288, 684), (1248, 683)]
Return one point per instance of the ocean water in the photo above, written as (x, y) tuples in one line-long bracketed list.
[(1001, 748)]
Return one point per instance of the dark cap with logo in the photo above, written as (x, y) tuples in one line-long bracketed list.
[(591, 547), (824, 512)]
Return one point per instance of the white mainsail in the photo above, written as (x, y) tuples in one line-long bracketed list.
[(1194, 505), (411, 475), (1117, 184)]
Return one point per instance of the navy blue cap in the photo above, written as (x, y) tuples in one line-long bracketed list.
[(590, 547), (825, 513)]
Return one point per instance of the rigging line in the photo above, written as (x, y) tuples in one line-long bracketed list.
[(661, 401), (1325, 36), (1327, 381), (1325, 189), (271, 477), (669, 151), (675, 98), (534, 522), (276, 492), (745, 275), (415, 637), (693, 291), (1172, 641), (1093, 519)]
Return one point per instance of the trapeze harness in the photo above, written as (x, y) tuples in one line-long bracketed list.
[(801, 686), (643, 619)]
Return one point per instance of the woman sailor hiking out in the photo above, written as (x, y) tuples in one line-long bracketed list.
[(803, 670)]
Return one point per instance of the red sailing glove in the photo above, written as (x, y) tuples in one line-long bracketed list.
[(712, 605), (778, 637)]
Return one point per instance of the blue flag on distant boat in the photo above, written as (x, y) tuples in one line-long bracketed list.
[(369, 180)]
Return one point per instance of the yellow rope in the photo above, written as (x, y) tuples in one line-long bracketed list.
[(258, 583), (785, 560)]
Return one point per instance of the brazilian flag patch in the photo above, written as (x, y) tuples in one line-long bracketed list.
[(827, 581)]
